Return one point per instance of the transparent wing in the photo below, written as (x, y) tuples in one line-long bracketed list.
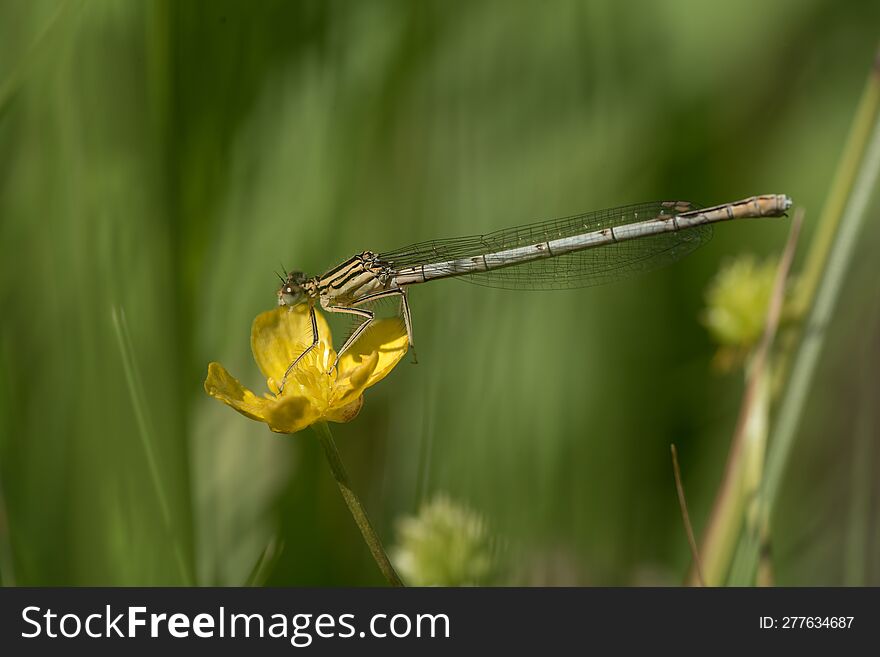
[(595, 266), (580, 269)]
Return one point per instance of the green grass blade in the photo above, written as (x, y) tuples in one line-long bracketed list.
[(792, 405), (135, 388)]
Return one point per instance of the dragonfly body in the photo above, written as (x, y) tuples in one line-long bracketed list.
[(558, 253), (680, 217), (358, 277)]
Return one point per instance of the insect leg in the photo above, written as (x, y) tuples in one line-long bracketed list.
[(307, 350)]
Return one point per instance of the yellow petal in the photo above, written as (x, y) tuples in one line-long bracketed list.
[(387, 339), (291, 413), (345, 413), (221, 385), (351, 381), (278, 336)]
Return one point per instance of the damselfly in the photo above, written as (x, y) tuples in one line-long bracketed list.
[(577, 251)]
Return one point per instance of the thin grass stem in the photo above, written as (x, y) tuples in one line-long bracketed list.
[(20, 70), (865, 175), (685, 517), (745, 461), (135, 389), (841, 186), (795, 395)]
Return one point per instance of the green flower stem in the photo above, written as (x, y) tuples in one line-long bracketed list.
[(354, 504)]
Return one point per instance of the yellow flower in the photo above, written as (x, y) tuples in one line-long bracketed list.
[(736, 307), (737, 301), (311, 394)]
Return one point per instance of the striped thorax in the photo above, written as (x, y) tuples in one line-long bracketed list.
[(358, 277)]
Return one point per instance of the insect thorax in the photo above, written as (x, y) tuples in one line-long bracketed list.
[(356, 278)]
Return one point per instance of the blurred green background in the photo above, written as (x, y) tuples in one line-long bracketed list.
[(158, 160)]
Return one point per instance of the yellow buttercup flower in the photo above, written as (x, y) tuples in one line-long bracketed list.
[(312, 392)]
